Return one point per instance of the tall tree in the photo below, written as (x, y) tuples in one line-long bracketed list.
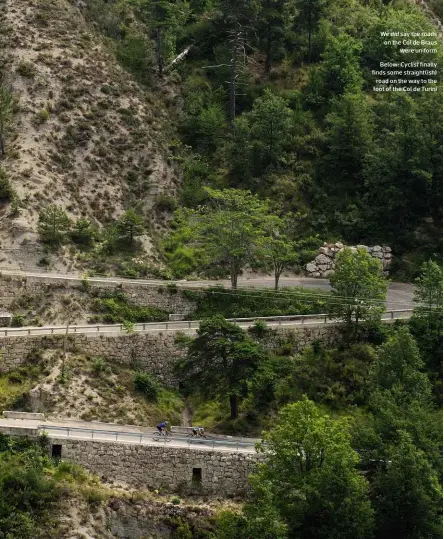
[(408, 494), (276, 247), (359, 288), (274, 17), (309, 477), (348, 138), (130, 225), (426, 322), (165, 18), (270, 127), (53, 224), (220, 360), (228, 230), (239, 17), (309, 13)]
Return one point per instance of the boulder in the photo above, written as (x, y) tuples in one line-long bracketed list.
[(377, 248), (328, 273), (386, 249), (324, 267), (311, 267), (378, 254), (339, 245), (325, 251), (363, 247), (322, 259)]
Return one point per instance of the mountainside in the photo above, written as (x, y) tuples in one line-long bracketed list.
[(85, 135)]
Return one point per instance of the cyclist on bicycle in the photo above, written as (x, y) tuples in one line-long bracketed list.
[(162, 427), (198, 431)]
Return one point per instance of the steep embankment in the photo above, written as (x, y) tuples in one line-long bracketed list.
[(85, 135)]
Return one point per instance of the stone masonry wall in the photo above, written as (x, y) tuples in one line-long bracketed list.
[(324, 264), (224, 473), (12, 288), (154, 352)]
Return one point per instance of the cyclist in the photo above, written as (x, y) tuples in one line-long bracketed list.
[(162, 427), (198, 431)]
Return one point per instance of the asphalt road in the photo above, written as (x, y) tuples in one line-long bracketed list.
[(125, 434), (399, 296)]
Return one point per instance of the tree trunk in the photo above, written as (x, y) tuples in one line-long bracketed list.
[(233, 277), (309, 39), (159, 52), (276, 280), (268, 53), (233, 77), (2, 145), (234, 406)]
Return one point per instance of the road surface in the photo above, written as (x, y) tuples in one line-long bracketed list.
[(187, 327), (126, 434), (399, 296)]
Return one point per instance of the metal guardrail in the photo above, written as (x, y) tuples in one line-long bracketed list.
[(178, 326), (140, 437)]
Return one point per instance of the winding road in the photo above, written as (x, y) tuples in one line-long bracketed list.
[(399, 296)]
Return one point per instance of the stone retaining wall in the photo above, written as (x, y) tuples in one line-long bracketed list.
[(170, 299), (324, 264), (223, 473), (154, 352)]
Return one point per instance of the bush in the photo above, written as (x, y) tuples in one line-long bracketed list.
[(145, 383), (26, 69), (99, 365), (166, 203), (6, 190), (17, 321), (83, 233)]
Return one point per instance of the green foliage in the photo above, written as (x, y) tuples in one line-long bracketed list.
[(334, 377), (28, 497), (249, 303), (408, 493), (360, 288), (146, 384), (83, 232), (308, 482), (6, 190), (130, 225), (116, 309), (17, 321), (53, 224), (226, 230), (220, 360)]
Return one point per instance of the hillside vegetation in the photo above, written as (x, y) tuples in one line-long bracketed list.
[(143, 105)]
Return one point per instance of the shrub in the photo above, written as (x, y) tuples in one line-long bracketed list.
[(26, 69), (166, 203), (41, 117), (17, 321), (175, 500), (99, 365), (145, 383), (259, 329), (53, 224), (6, 191), (83, 233)]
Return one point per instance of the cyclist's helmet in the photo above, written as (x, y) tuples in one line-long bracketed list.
[(166, 422)]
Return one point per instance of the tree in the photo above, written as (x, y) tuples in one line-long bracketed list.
[(165, 18), (270, 127), (228, 228), (53, 224), (130, 225), (276, 247), (426, 322), (408, 494), (6, 110), (309, 477), (359, 288), (428, 291), (274, 18), (220, 360), (309, 15), (348, 138)]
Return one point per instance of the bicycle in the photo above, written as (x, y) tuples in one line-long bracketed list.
[(164, 434), (197, 434)]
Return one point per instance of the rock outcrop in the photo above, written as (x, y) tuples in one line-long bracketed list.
[(324, 264)]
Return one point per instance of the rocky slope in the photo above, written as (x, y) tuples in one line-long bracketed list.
[(85, 135)]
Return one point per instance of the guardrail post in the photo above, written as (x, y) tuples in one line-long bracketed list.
[(92, 435), (98, 329), (392, 314), (75, 329), (189, 325), (144, 327), (68, 432), (117, 434), (29, 332), (325, 319), (141, 437)]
